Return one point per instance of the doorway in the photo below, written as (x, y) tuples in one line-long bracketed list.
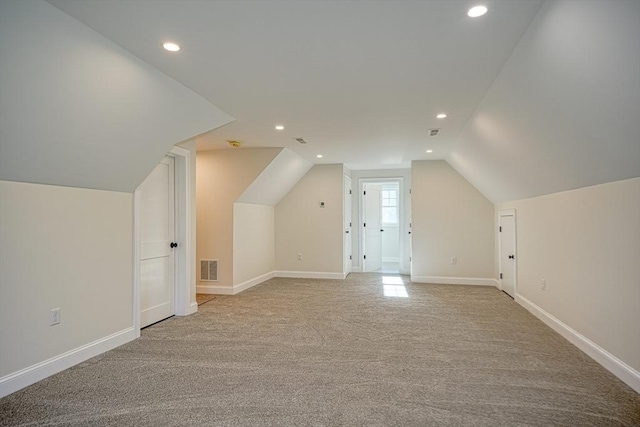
[(507, 251), (183, 289), (381, 207)]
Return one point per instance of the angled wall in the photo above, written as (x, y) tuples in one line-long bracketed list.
[(451, 219), (75, 107), (563, 112)]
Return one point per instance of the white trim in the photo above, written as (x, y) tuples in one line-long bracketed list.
[(473, 281), (216, 290), (252, 282), (236, 289), (390, 259), (309, 275), (31, 375), (136, 263), (614, 365), (193, 308)]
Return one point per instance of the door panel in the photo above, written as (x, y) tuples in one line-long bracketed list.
[(347, 225), (508, 253), (157, 283), (372, 233)]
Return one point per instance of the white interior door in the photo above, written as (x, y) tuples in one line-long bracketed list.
[(372, 227), (507, 232), (347, 225), (157, 229)]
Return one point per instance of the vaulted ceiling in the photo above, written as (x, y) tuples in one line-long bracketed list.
[(540, 96)]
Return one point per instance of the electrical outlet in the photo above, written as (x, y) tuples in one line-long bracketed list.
[(54, 316), (543, 284), (454, 260), (299, 257)]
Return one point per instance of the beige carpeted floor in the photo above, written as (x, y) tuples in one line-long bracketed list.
[(204, 298), (294, 352)]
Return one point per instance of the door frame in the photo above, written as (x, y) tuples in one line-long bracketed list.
[(501, 213), (183, 253), (347, 218), (401, 222)]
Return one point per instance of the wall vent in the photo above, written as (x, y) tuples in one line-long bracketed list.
[(209, 270)]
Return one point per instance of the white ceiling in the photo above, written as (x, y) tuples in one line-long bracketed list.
[(360, 81)]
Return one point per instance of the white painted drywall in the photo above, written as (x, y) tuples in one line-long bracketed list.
[(62, 247), (356, 175), (253, 241), (586, 244), (303, 227), (78, 110), (450, 219), (276, 180), (563, 113), (221, 177)]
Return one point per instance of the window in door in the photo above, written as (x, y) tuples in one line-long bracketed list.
[(390, 207)]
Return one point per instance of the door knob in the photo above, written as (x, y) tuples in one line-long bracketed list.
[(347, 231), (173, 245), (381, 230), (512, 256)]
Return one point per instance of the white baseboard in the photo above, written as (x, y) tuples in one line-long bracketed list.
[(193, 308), (31, 375), (309, 275), (235, 289), (610, 362), (252, 282), (390, 259), (475, 281)]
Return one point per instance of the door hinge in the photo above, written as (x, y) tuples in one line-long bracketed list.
[(365, 193), (409, 191), (365, 257), (365, 224), (409, 259), (350, 192), (500, 228), (349, 224), (350, 256), (501, 275)]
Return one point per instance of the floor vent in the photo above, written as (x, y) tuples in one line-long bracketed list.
[(209, 270)]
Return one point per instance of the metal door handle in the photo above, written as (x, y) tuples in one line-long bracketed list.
[(381, 230), (347, 231), (512, 257), (173, 245)]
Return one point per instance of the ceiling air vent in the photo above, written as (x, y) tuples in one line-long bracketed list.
[(209, 270), (434, 132), (300, 140)]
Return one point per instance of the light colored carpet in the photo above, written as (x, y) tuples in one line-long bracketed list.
[(294, 352)]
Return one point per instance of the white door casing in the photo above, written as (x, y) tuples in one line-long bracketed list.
[(157, 232), (507, 251), (372, 225), (347, 226)]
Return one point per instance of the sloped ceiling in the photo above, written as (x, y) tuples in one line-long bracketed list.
[(78, 110), (276, 180), (564, 112), (361, 81)]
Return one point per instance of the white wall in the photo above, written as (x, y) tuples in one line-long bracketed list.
[(563, 112), (75, 107), (586, 244), (253, 241), (450, 219), (303, 227), (62, 247), (405, 174), (221, 177)]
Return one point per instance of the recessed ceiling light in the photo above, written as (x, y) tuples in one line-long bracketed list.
[(429, 151), (279, 127), (441, 116), (476, 11), (171, 47), (319, 156)]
